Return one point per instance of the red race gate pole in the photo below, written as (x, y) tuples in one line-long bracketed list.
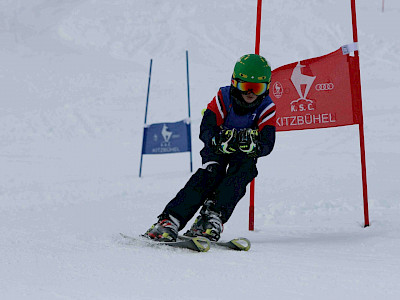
[(258, 27), (257, 51), (360, 117)]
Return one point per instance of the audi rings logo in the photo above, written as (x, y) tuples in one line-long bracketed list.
[(324, 86)]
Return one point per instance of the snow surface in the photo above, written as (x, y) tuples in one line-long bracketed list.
[(73, 82)]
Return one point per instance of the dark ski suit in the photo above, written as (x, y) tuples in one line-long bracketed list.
[(224, 177)]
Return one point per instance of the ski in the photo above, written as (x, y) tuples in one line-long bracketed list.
[(199, 244), (238, 244)]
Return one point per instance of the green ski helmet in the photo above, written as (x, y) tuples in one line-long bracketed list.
[(249, 68), (252, 68)]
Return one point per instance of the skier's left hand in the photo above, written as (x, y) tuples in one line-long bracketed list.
[(249, 142)]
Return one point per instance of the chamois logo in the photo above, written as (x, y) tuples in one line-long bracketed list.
[(303, 84), (166, 134), (277, 90)]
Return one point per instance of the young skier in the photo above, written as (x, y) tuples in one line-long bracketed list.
[(237, 128)]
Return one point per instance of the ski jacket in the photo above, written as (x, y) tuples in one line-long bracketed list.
[(220, 114)]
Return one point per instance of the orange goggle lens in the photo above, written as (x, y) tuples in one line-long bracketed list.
[(258, 88)]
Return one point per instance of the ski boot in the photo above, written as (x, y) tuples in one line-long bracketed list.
[(165, 230), (208, 224)]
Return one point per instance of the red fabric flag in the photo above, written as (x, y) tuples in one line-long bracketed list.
[(316, 92)]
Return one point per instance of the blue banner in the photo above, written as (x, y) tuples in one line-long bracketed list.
[(162, 138)]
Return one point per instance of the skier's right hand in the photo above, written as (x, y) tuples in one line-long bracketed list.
[(225, 142)]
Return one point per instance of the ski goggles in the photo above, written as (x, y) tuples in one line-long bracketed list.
[(257, 88)]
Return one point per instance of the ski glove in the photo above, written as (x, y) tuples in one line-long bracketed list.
[(249, 142), (225, 142)]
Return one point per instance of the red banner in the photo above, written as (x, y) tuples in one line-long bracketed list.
[(316, 92)]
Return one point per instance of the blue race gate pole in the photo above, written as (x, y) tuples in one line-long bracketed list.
[(189, 129), (145, 120)]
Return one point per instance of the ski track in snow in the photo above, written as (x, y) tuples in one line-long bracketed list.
[(72, 98)]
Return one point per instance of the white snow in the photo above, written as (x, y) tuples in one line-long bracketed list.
[(73, 82)]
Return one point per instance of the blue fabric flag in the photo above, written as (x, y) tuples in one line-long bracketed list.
[(162, 138)]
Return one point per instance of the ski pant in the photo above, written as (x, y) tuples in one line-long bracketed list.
[(226, 180)]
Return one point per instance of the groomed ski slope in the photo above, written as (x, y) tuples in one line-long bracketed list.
[(73, 82)]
